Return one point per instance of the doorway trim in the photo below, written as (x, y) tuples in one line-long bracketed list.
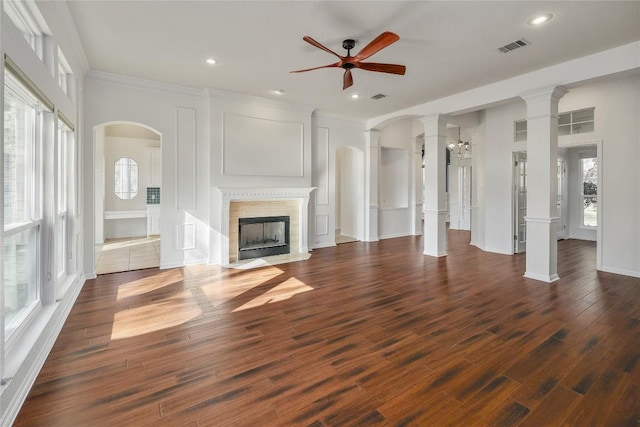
[(601, 195)]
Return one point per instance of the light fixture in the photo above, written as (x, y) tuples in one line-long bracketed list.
[(278, 91), (459, 148), (211, 61), (355, 95), (540, 19)]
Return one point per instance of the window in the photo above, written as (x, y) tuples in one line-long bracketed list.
[(126, 178), (578, 121), (589, 167), (569, 123), (23, 16), (65, 76), (520, 129), (21, 204), (62, 186)]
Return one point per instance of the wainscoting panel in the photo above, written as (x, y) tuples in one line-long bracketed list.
[(253, 146), (322, 166), (186, 158), (185, 236), (322, 225)]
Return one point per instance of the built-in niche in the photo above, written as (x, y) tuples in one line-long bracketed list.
[(394, 178)]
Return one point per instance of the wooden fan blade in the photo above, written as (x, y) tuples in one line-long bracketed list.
[(380, 42), (319, 46), (382, 68), (337, 64), (347, 80)]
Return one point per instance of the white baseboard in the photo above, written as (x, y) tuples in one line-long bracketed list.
[(621, 271), (324, 245), (542, 277), (393, 236)]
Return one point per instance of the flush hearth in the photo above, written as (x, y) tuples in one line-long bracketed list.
[(263, 236)]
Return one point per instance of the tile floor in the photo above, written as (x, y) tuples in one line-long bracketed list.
[(343, 239), (136, 253)]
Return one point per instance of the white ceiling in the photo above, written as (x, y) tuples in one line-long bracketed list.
[(448, 47)]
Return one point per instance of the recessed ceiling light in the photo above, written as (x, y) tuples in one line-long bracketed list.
[(278, 91), (540, 19), (211, 61), (355, 95)]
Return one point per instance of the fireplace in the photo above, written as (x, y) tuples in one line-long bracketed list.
[(235, 203), (263, 236)]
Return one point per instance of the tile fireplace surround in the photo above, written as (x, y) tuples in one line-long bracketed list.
[(252, 202)]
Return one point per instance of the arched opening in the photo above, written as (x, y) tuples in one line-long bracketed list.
[(127, 196), (349, 194)]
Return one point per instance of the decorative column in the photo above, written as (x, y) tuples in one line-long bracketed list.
[(372, 166), (416, 186), (435, 205), (542, 183)]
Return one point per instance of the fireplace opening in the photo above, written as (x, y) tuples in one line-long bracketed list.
[(263, 236)]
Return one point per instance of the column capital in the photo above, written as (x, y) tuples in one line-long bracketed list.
[(544, 94), (434, 124)]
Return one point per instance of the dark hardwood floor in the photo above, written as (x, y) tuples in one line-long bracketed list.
[(361, 334)]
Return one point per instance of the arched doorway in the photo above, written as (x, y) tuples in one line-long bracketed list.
[(349, 194), (127, 196)]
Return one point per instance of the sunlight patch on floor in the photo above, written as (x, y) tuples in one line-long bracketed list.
[(149, 318), (269, 260), (221, 292), (149, 284), (281, 292)]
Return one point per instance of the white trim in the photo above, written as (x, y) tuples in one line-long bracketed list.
[(132, 82), (138, 213), (394, 235), (324, 245), (621, 271), (542, 220), (542, 277)]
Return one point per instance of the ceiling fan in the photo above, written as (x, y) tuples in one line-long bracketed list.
[(349, 62)]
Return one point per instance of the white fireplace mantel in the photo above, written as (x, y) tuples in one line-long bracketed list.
[(231, 194)]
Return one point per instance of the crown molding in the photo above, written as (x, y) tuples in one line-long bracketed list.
[(326, 115), (134, 82), (258, 101)]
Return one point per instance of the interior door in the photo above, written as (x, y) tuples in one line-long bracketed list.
[(520, 201), (562, 211)]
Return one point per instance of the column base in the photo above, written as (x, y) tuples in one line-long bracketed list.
[(435, 233), (541, 277), (542, 249)]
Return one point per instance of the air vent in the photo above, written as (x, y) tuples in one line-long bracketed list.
[(514, 45), (378, 96)]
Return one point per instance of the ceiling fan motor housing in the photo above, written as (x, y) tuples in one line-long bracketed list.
[(348, 44)]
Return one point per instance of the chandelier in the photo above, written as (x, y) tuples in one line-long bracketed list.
[(459, 148)]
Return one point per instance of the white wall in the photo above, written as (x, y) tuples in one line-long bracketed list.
[(496, 164), (339, 197), (99, 184), (617, 108), (116, 148), (181, 116), (350, 193), (397, 151)]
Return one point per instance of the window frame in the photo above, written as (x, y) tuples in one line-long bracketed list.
[(128, 173), (584, 196), (33, 218)]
